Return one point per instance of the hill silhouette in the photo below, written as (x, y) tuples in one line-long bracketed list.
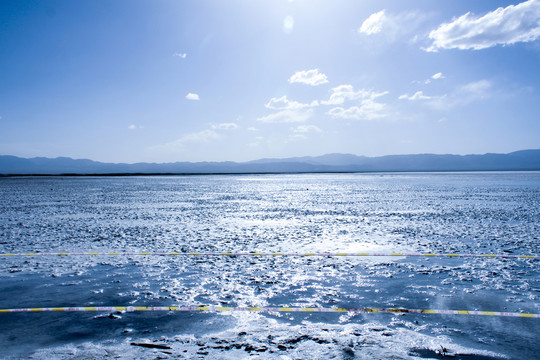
[(519, 160)]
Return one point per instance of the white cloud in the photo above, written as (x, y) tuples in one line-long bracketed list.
[(225, 126), (343, 93), (288, 24), (287, 116), (503, 26), (253, 128), (419, 95), (310, 77), (373, 24), (306, 128), (368, 110), (180, 55), (192, 96), (436, 76), (283, 103), (390, 27), (132, 127)]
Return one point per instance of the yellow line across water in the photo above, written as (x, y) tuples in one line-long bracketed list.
[(266, 309)]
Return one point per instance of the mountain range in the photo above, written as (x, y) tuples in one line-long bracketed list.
[(514, 161)]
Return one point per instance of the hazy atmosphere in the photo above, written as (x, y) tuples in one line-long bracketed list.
[(163, 81)]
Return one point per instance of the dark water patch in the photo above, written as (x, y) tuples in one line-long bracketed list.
[(444, 353)]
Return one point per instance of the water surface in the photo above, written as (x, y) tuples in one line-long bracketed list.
[(436, 212)]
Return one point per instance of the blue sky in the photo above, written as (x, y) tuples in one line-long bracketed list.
[(162, 81)]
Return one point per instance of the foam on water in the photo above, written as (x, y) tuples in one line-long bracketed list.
[(256, 336), (464, 213)]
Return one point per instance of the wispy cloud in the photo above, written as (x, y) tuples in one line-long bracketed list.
[(204, 136), (477, 89), (288, 24), (225, 126), (180, 55), (287, 116), (373, 24), (131, 127), (310, 77), (392, 26), (283, 103), (301, 132), (419, 95), (503, 26), (462, 95), (436, 76), (343, 93), (201, 136), (368, 110), (300, 129), (192, 96), (215, 132)]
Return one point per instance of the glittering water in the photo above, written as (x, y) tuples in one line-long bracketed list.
[(452, 212)]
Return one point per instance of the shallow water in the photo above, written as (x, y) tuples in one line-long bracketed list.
[(452, 212)]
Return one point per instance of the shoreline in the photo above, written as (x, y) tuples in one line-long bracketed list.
[(121, 174)]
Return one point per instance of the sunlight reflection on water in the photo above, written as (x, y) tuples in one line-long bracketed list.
[(381, 213)]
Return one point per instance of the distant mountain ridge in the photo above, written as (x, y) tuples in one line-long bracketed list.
[(518, 160)]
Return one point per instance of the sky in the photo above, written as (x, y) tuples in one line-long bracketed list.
[(239, 80)]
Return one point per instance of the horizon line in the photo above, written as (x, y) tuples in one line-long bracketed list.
[(266, 158)]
